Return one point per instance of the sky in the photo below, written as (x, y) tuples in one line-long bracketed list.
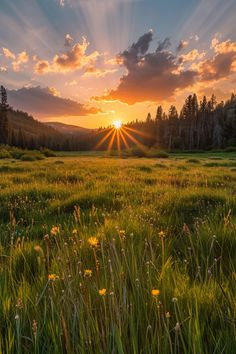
[(92, 62)]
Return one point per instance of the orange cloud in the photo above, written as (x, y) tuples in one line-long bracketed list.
[(3, 69), (73, 59), (150, 76), (8, 54), (18, 59), (97, 72), (193, 55)]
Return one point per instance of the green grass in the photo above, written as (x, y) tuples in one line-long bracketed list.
[(124, 204)]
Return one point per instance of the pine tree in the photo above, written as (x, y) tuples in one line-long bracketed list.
[(4, 126)]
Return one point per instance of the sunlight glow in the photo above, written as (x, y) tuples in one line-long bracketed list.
[(117, 124)]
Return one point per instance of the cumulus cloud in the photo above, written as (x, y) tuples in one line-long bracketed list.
[(150, 76), (74, 59), (17, 59), (222, 64), (192, 55), (3, 69), (8, 53), (45, 102)]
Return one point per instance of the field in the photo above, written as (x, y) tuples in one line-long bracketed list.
[(111, 255)]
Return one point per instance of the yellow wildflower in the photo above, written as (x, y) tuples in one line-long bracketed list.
[(88, 273), (93, 241), (37, 248), (102, 292), (74, 232), (55, 230), (161, 234), (155, 292), (53, 277)]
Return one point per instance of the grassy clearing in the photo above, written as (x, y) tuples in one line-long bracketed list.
[(158, 275)]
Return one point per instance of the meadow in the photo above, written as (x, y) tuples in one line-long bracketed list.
[(124, 256)]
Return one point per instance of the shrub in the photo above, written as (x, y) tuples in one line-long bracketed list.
[(137, 152), (4, 154), (159, 154), (28, 157), (47, 152)]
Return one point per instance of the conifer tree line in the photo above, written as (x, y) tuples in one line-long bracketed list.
[(200, 125)]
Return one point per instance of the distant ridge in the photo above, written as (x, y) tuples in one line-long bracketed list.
[(69, 129)]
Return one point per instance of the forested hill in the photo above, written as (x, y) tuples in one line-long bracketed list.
[(69, 129), (25, 131)]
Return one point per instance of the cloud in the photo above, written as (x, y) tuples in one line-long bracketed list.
[(150, 76), (192, 55), (3, 69), (97, 72), (17, 59), (45, 102), (42, 67), (222, 64), (8, 54), (73, 59), (68, 40), (22, 58), (182, 44)]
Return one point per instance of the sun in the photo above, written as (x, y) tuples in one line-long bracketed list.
[(117, 124)]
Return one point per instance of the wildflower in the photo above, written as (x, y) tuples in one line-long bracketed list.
[(174, 299), (37, 248), (74, 232), (88, 273), (55, 230), (102, 292), (161, 234), (167, 315), (93, 241), (53, 277), (17, 317), (155, 292)]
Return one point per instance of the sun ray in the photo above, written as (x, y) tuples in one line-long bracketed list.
[(142, 147), (145, 135), (118, 141), (103, 139), (112, 140), (124, 140)]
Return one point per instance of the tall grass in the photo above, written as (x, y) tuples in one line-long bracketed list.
[(103, 255)]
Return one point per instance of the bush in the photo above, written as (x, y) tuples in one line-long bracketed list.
[(28, 157), (4, 154), (137, 152), (47, 152)]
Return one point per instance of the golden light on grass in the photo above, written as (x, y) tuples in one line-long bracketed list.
[(117, 124)]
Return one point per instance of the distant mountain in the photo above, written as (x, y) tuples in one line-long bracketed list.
[(30, 126), (69, 129)]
